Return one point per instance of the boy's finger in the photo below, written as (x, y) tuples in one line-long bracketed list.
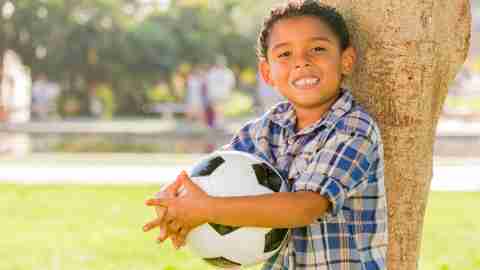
[(177, 241), (183, 235), (173, 188), (152, 224), (183, 232), (183, 175), (174, 226), (161, 194), (163, 235), (161, 211), (158, 202)]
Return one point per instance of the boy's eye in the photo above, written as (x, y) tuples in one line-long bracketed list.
[(284, 54), (319, 49)]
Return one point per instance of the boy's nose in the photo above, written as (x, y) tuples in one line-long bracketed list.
[(303, 64), (302, 61)]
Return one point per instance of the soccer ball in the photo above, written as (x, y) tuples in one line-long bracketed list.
[(234, 173)]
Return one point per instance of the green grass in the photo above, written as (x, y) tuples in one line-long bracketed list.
[(466, 103), (451, 238), (82, 227), (99, 228)]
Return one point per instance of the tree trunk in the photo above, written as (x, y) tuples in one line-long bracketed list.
[(409, 52)]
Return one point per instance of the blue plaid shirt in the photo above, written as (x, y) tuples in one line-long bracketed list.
[(341, 158)]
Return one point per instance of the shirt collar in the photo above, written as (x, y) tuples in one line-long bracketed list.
[(284, 114)]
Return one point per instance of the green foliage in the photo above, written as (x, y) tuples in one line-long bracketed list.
[(70, 105), (126, 43), (240, 104), (159, 93), (104, 94)]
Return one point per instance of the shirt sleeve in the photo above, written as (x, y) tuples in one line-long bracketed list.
[(243, 140), (339, 169)]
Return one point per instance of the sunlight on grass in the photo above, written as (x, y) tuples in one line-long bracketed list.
[(463, 103), (451, 232), (99, 228)]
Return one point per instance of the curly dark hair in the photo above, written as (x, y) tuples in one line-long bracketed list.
[(297, 8)]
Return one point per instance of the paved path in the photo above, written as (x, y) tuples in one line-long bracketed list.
[(457, 128), (446, 127), (460, 174), (449, 175)]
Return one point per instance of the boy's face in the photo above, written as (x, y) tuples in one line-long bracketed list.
[(305, 62)]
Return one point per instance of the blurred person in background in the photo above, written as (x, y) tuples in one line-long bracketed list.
[(45, 94), (15, 98), (3, 109), (209, 113), (15, 89), (195, 99), (220, 81), (101, 100)]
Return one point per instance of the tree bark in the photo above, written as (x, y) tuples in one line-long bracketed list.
[(409, 52)]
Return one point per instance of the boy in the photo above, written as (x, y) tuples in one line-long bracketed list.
[(326, 146)]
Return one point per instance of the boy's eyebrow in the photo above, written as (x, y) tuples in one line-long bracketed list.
[(281, 44), (321, 39)]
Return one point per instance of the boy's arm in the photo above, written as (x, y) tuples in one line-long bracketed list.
[(339, 171), (277, 210)]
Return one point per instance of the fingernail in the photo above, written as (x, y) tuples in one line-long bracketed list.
[(150, 201)]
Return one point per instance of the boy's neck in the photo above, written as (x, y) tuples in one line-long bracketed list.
[(309, 116)]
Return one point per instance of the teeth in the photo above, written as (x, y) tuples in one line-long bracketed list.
[(306, 82)]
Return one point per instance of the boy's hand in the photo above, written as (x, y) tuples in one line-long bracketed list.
[(161, 211), (184, 212), (169, 191)]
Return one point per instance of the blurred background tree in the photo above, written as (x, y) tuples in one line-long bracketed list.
[(128, 44), (134, 45)]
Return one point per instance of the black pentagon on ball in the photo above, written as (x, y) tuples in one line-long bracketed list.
[(267, 177), (221, 262), (222, 229), (274, 239), (207, 167)]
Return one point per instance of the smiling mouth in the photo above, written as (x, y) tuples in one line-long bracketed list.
[(305, 83)]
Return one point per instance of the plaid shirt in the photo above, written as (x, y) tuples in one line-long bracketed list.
[(341, 158)]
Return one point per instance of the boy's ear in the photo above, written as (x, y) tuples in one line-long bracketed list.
[(264, 68), (349, 57)]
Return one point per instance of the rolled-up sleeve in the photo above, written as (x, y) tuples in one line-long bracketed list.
[(339, 169), (243, 141)]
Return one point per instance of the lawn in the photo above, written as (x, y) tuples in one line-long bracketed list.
[(471, 104), (451, 238), (99, 228)]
